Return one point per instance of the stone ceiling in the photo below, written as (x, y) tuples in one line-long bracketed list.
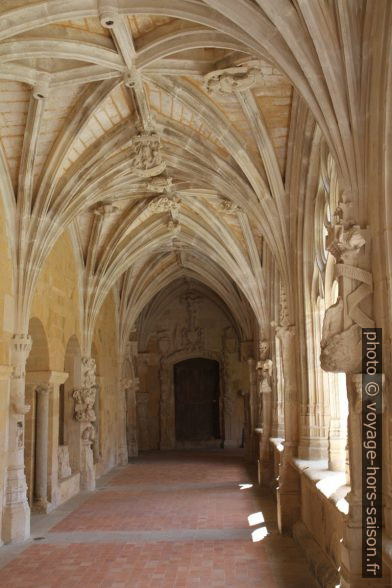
[(161, 143)]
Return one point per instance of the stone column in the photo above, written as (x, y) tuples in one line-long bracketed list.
[(41, 450), (131, 393), (84, 413), (167, 419), (250, 435), (265, 458), (45, 384), (122, 446), (16, 518), (5, 377), (288, 492)]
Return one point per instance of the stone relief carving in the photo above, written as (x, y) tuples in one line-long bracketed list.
[(84, 403), (88, 434), (64, 469), (88, 372), (284, 319), (19, 434), (264, 369), (343, 321), (164, 204), (192, 334), (232, 79), (21, 347), (146, 158)]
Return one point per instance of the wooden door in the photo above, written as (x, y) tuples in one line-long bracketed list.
[(196, 383)]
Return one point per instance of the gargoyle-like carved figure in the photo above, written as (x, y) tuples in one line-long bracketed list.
[(84, 403), (146, 159), (232, 79)]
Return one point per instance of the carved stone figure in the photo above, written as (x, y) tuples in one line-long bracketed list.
[(88, 372), (192, 334), (232, 79), (343, 321), (146, 159), (19, 434), (64, 469), (84, 403)]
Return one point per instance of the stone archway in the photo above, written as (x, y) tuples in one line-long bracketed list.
[(167, 400)]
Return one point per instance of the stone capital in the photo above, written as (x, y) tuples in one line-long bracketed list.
[(44, 378)]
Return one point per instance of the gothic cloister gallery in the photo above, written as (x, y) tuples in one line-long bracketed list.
[(195, 249)]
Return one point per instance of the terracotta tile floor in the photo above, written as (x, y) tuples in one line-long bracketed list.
[(167, 520)]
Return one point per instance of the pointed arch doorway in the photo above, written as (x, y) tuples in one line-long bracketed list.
[(197, 392)]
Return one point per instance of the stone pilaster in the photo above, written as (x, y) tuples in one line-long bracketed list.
[(16, 517), (288, 492), (132, 387)]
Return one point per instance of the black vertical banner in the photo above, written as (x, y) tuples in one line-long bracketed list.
[(371, 453)]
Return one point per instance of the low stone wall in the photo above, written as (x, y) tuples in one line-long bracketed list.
[(68, 488)]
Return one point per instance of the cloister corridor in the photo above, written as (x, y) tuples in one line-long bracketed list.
[(174, 519)]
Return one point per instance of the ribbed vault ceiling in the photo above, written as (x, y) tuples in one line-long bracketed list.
[(87, 85)]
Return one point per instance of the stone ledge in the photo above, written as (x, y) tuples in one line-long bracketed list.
[(278, 443), (332, 485), (322, 568)]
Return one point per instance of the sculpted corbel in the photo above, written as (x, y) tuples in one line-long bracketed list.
[(344, 320)]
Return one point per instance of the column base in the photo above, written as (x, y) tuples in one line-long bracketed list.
[(41, 507), (16, 523)]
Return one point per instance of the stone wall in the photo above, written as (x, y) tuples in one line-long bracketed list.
[(188, 324)]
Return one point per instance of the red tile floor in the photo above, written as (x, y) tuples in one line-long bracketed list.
[(167, 520)]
